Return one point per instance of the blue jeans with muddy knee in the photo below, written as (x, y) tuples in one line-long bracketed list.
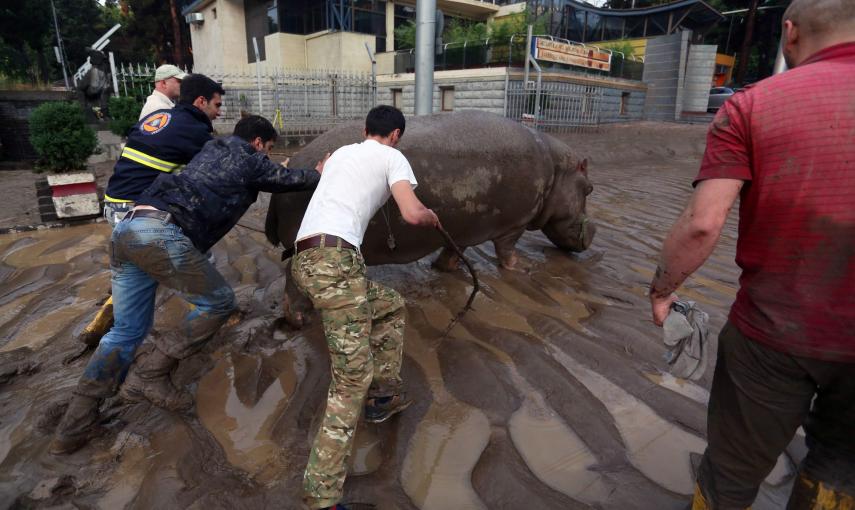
[(146, 252)]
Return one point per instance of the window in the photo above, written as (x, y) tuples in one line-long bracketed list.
[(272, 17), (447, 98), (302, 16), (624, 102), (258, 24), (398, 98)]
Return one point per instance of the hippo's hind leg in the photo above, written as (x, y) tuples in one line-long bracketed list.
[(295, 304), (506, 248), (447, 260)]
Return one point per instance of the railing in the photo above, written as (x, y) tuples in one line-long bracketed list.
[(493, 53), (298, 103), (136, 80)]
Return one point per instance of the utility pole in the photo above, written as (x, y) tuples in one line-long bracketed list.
[(425, 50), (59, 44), (745, 51)]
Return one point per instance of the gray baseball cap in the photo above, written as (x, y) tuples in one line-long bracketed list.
[(169, 71)]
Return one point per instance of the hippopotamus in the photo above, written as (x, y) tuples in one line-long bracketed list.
[(485, 176)]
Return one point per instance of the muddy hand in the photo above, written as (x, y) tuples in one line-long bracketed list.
[(661, 307), (320, 166)]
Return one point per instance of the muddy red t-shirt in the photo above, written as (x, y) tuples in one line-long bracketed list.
[(792, 139)]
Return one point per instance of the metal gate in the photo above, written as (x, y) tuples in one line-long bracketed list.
[(554, 106), (299, 103)]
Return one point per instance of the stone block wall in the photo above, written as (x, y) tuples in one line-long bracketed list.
[(700, 66), (610, 106), (487, 94), (663, 74), (15, 109)]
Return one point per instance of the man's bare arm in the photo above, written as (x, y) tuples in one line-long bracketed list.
[(412, 209), (691, 240)]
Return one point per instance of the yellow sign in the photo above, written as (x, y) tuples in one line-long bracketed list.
[(563, 53)]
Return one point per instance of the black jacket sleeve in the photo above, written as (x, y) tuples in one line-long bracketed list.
[(274, 178)]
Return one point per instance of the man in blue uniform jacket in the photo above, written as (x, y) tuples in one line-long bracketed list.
[(162, 142), (163, 240)]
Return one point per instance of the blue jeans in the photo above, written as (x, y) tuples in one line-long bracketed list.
[(146, 252)]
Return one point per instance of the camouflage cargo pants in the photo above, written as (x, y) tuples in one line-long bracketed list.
[(364, 326)]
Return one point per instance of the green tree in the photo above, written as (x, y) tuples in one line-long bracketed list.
[(405, 35)]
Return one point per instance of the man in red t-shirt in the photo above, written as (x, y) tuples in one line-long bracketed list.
[(786, 357)]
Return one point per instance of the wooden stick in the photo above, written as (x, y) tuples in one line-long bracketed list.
[(475, 285)]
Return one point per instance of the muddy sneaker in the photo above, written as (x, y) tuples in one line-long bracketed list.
[(380, 409)]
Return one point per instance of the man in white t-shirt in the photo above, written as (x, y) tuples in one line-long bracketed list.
[(363, 320), (167, 88)]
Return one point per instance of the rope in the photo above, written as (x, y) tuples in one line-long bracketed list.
[(475, 285)]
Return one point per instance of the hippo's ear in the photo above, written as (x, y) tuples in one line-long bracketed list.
[(583, 167)]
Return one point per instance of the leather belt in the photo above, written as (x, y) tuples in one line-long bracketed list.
[(150, 213), (322, 241)]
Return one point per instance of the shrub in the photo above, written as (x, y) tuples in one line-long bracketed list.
[(60, 136), (124, 114)]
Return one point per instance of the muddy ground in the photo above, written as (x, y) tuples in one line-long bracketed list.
[(550, 394)]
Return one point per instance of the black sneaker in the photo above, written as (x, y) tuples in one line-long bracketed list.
[(380, 409)]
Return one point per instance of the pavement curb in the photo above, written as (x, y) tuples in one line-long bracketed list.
[(51, 225)]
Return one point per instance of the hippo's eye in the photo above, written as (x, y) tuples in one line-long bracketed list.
[(588, 189)]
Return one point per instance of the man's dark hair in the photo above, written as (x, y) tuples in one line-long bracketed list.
[(254, 126), (384, 119), (197, 85)]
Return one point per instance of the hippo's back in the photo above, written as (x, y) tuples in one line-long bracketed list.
[(482, 174)]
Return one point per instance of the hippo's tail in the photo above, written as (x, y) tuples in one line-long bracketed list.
[(271, 224)]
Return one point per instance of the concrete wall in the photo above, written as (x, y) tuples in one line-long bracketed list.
[(662, 74), (610, 106), (345, 48), (678, 76), (700, 66), (286, 50), (220, 41)]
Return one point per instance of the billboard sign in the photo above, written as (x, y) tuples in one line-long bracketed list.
[(572, 54)]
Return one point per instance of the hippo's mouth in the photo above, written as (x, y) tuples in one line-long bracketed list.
[(576, 236)]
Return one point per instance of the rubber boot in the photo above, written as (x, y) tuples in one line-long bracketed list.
[(78, 425), (699, 502), (148, 380), (99, 326), (810, 494)]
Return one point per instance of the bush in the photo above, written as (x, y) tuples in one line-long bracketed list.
[(124, 114), (60, 135)]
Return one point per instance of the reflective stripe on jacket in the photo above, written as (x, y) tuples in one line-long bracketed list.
[(162, 142)]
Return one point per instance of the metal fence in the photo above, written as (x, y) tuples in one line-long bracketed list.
[(135, 80), (298, 103), (309, 102), (554, 106)]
